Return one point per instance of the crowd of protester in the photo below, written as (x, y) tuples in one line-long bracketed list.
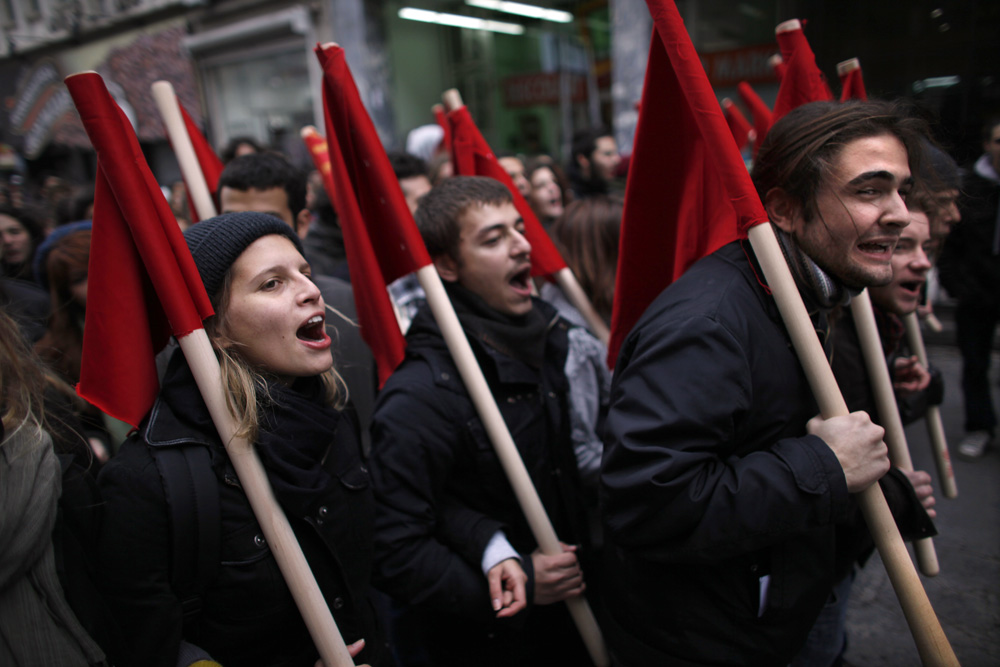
[(396, 495)]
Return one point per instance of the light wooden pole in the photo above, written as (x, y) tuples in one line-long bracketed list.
[(888, 410), (194, 179), (935, 428)]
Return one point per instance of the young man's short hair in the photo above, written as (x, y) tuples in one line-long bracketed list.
[(585, 141), (405, 165), (438, 217), (800, 148), (264, 171)]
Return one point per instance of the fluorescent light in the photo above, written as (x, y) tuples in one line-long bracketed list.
[(459, 21), (521, 9)]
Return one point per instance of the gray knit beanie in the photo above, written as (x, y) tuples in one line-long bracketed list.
[(217, 242)]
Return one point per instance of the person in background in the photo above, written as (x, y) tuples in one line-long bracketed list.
[(20, 236), (411, 172), (514, 167), (970, 271), (239, 146), (546, 197), (593, 162), (37, 625), (587, 235)]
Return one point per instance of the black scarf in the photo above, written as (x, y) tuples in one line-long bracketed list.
[(520, 337), (296, 429)]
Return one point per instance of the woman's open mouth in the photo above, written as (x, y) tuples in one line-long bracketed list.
[(313, 332)]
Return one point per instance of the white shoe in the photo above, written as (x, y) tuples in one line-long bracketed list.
[(974, 444)]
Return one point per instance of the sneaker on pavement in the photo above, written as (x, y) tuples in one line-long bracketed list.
[(974, 444)]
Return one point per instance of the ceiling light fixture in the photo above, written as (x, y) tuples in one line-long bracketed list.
[(459, 21), (521, 9)]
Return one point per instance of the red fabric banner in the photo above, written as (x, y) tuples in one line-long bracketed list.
[(143, 283), (442, 120), (759, 111), (803, 82), (680, 209), (381, 239), (211, 165), (738, 124), (472, 156), (852, 85)]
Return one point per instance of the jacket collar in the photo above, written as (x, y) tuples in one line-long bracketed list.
[(424, 335), (179, 415)]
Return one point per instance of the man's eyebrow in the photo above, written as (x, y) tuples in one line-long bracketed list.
[(879, 174)]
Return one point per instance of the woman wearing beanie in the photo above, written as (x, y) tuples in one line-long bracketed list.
[(188, 572)]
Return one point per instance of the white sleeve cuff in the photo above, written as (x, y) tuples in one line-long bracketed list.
[(498, 550)]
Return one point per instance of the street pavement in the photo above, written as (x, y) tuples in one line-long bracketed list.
[(966, 594)]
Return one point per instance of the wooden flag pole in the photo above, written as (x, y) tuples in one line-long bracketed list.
[(166, 102), (564, 277), (506, 450), (939, 444), (273, 522), (932, 644), (888, 410)]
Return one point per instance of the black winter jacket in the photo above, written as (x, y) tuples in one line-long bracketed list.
[(248, 615), (441, 494), (968, 267), (720, 509)]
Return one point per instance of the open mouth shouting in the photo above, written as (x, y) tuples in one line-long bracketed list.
[(313, 333), (521, 281)]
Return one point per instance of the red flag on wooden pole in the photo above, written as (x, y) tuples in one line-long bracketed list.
[(442, 120), (148, 265), (803, 82), (852, 84), (738, 124), (681, 209), (381, 239), (759, 112)]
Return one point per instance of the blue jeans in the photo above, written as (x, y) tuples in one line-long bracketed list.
[(827, 640)]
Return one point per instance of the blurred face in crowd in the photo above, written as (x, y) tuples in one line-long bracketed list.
[(546, 195), (413, 189), (15, 239), (860, 212), (603, 161), (494, 258), (992, 148), (274, 314), (515, 169), (273, 201), (945, 208), (911, 260)]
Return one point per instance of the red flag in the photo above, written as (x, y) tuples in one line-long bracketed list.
[(803, 82), (738, 123), (680, 209), (381, 239), (442, 120), (472, 156), (778, 65), (211, 165), (852, 84), (141, 274), (759, 111)]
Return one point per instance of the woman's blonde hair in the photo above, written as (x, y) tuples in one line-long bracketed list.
[(22, 380), (247, 384)]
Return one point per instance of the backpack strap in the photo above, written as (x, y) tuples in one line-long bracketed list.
[(192, 493)]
